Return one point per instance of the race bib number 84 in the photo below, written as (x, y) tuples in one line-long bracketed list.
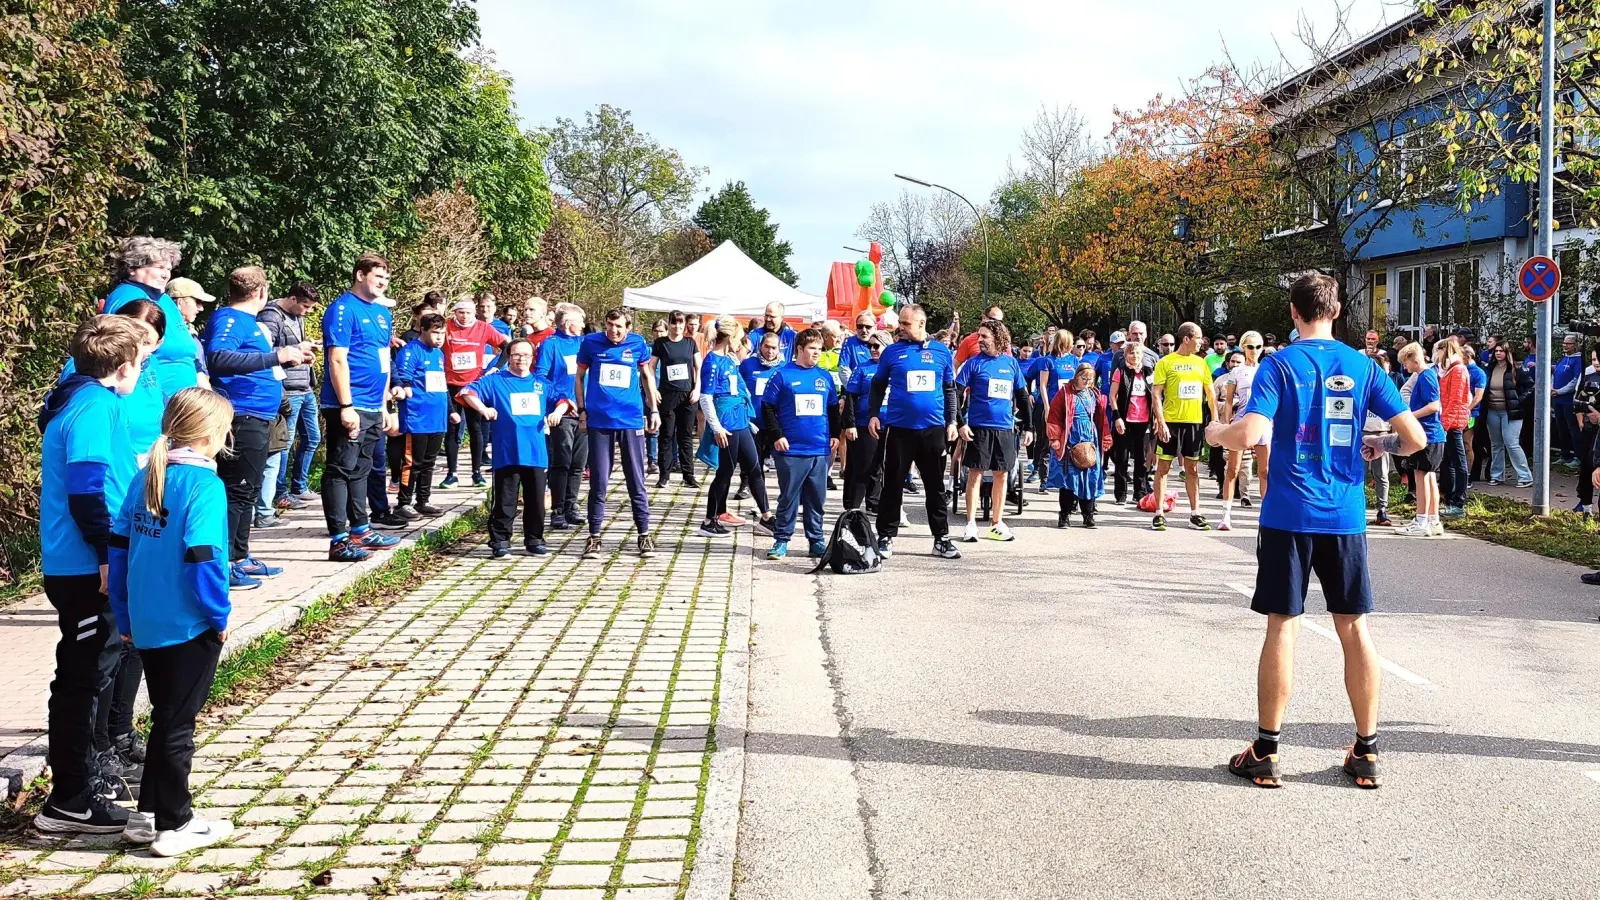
[(615, 376)]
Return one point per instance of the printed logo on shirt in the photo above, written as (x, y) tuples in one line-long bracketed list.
[(627, 356), (1340, 383), (1339, 408)]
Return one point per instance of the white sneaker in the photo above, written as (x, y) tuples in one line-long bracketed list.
[(198, 833), (1436, 528), (1413, 528), (970, 536), (904, 521), (141, 828), (1001, 532)]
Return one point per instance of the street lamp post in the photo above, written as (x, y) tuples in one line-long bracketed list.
[(982, 228)]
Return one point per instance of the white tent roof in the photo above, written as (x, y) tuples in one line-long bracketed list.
[(724, 282)]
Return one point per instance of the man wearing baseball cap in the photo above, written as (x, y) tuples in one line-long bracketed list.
[(188, 295)]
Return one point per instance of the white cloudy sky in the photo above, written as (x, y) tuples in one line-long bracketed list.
[(815, 105)]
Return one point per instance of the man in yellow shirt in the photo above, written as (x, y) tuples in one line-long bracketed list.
[(1181, 390)]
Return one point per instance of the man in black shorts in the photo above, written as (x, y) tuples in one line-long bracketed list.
[(1314, 396), (994, 392), (1180, 397)]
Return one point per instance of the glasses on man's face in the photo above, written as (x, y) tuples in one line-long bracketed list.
[(1165, 344), (866, 327)]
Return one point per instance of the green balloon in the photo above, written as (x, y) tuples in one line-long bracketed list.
[(866, 273), (888, 299)]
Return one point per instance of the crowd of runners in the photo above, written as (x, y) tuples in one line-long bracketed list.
[(171, 437)]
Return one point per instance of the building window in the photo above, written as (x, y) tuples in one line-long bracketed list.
[(1378, 290), (1574, 295), (1444, 295)]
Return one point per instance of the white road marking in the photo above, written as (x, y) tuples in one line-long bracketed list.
[(1594, 775), (1392, 668)]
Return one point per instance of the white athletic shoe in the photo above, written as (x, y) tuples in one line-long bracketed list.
[(1001, 532), (905, 522), (141, 828), (1414, 528), (970, 536), (1435, 528), (198, 833)]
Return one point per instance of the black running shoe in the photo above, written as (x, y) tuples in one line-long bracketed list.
[(96, 815), (1159, 523), (1364, 769), (1199, 523), (944, 549), (1264, 772)]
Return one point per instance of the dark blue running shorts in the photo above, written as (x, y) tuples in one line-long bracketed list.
[(1285, 561)]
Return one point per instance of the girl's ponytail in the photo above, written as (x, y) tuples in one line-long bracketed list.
[(155, 477), (194, 415)]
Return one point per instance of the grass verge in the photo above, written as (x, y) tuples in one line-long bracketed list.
[(1561, 535), (255, 666)]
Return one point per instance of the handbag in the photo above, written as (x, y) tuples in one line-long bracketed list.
[(1084, 455)]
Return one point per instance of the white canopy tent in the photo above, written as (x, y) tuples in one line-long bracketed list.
[(724, 282)]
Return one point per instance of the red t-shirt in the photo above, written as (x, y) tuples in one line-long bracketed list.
[(463, 350), (537, 339)]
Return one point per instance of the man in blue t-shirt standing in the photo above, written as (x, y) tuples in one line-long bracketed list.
[(772, 323), (800, 411), (355, 335), (249, 372), (916, 379), (1314, 396), (617, 401)]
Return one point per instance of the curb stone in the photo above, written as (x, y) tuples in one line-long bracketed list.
[(20, 767), (712, 876)]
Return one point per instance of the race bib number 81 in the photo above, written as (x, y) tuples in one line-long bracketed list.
[(525, 404)]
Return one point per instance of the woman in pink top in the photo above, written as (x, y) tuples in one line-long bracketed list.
[(1130, 420)]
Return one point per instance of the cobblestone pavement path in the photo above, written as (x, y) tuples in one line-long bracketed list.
[(513, 728)]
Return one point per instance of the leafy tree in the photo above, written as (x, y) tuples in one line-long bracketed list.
[(451, 254), (501, 166), (1484, 58), (579, 262), (731, 215), (621, 179), (68, 147), (295, 133), (679, 249)]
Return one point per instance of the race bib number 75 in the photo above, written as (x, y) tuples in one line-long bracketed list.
[(919, 381)]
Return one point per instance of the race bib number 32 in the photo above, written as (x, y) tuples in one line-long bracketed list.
[(677, 372)]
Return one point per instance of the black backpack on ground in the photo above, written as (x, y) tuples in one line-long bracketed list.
[(853, 550)]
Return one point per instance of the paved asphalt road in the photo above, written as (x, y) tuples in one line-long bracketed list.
[(1050, 718)]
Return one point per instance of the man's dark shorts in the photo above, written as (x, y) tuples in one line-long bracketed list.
[(1285, 562), (1427, 459), (1187, 441)]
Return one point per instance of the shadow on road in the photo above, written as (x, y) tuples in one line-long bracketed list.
[(1320, 734)]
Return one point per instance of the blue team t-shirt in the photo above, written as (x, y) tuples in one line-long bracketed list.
[(520, 405), (363, 328), (87, 436), (1477, 380), (421, 368), (990, 381), (786, 336), (853, 354), (757, 374), (915, 375), (177, 358), (257, 393), (611, 389), (1317, 392), (557, 361), (171, 595), (141, 410), (860, 387), (720, 377), (1426, 391), (1063, 369), (801, 397)]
